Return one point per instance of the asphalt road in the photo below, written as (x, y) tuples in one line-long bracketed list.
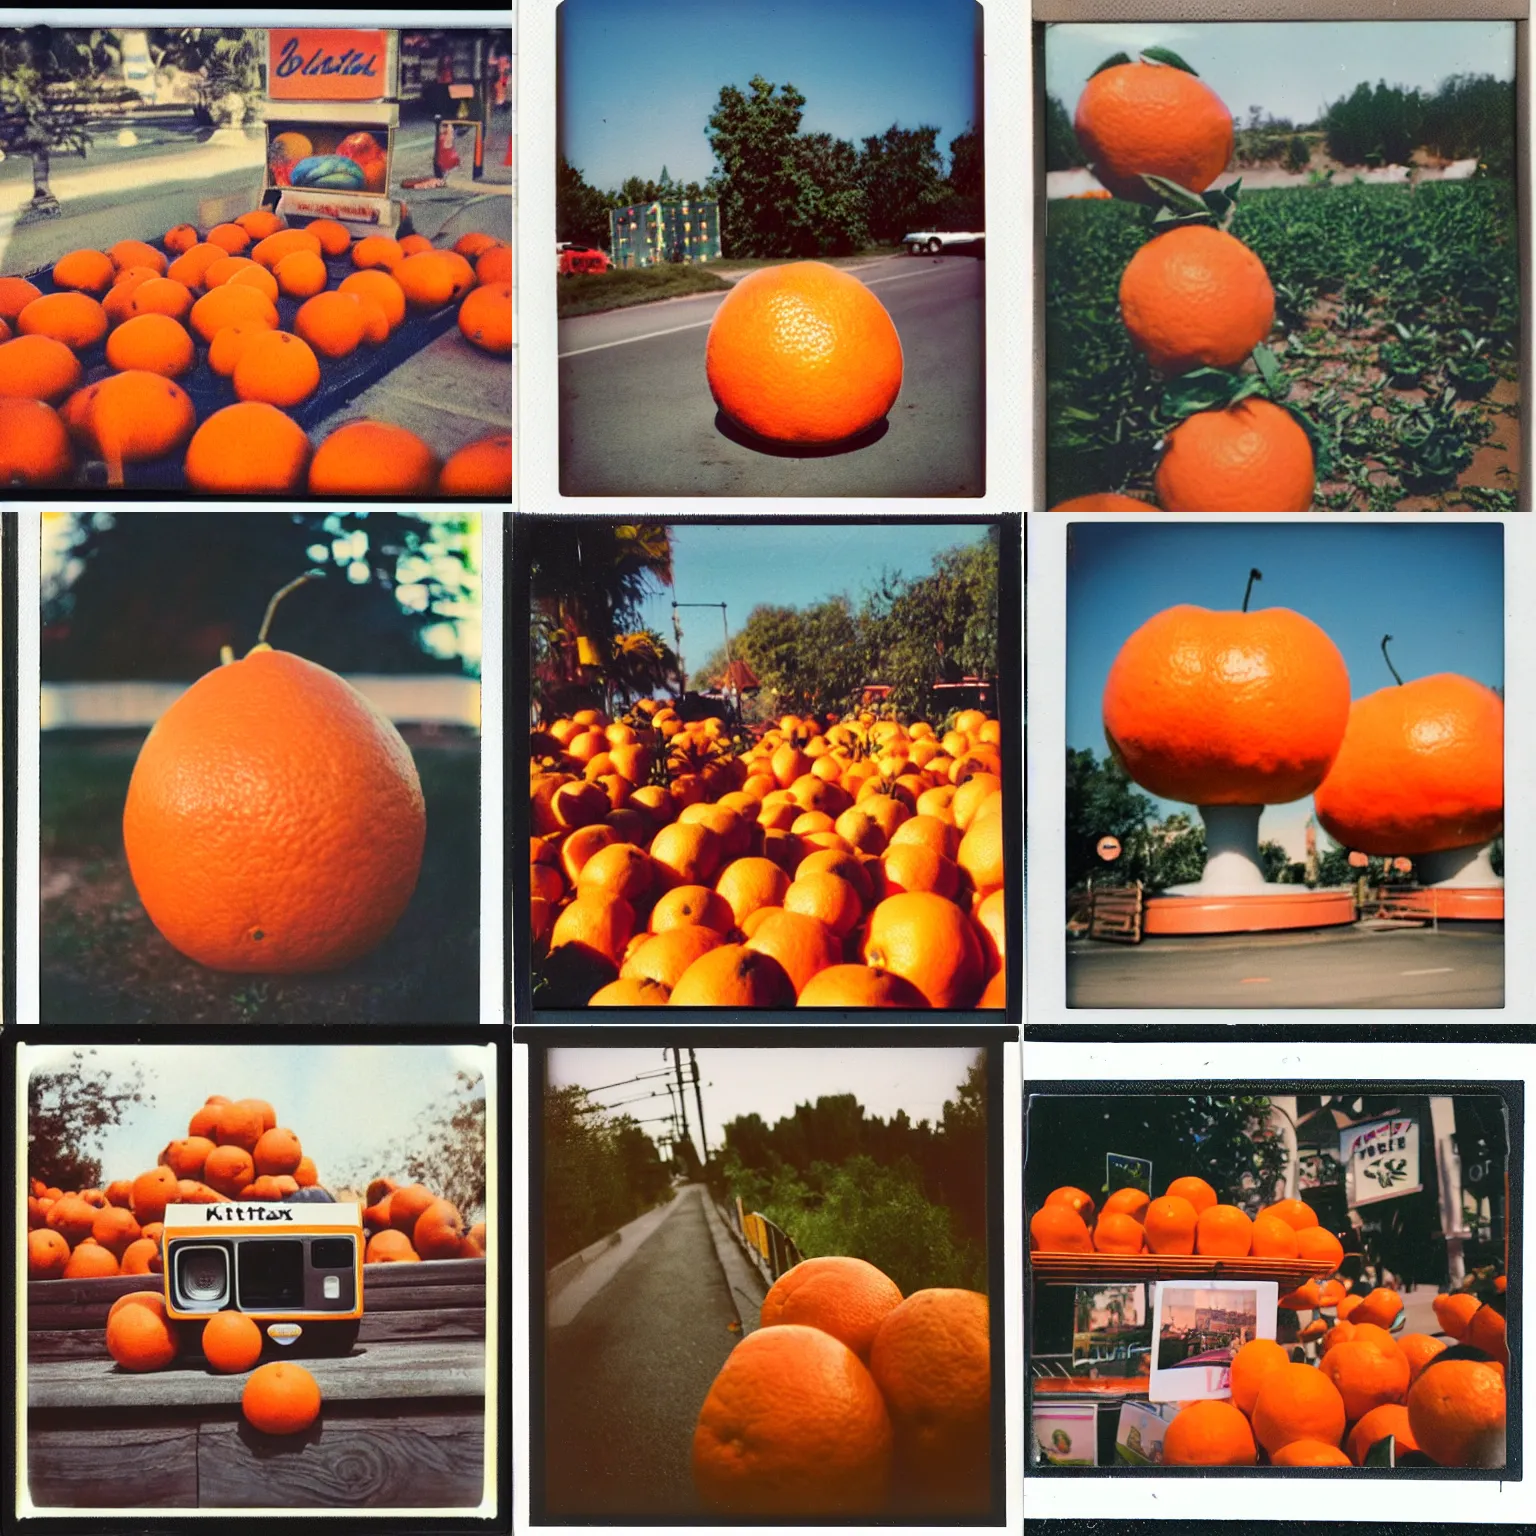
[(1398, 968), (624, 1381), (637, 418)]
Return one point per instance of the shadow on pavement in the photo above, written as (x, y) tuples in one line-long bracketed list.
[(740, 435)]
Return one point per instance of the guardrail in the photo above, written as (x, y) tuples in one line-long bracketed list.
[(768, 1245)]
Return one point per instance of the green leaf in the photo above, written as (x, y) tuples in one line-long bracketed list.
[(1269, 370), (1205, 389), (1111, 62), (1382, 1454), (1174, 196), (1168, 56)]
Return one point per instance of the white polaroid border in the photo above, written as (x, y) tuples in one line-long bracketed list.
[(1139, 1065), (27, 520), (1045, 933), (524, 1410), (1187, 1384), (1009, 266)]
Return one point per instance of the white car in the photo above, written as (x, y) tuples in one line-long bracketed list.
[(934, 240)]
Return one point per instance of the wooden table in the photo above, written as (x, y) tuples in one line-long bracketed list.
[(402, 1421)]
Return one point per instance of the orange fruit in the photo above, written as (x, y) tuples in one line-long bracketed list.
[(335, 239), (141, 1257), (278, 368), (1196, 296), (90, 1261), (931, 943), (630, 992), (225, 350), (1058, 1229), (406, 1206), (482, 468), (91, 271), (34, 444), (734, 976), (1250, 457), (686, 905), (277, 1151), (1305, 1298), (1142, 119), (180, 239), (136, 253), (233, 238), (248, 276), (619, 869), (1210, 1433), (229, 1169), (800, 944), (1309, 1453), (475, 244), (1366, 1374), (494, 265), (231, 304), (427, 279), (76, 319), (992, 929), (136, 415), (845, 1297), (72, 1218), (485, 318), (857, 986), (908, 867), (1487, 1332), (271, 250), (114, 1228), (1319, 1246), (153, 343), (749, 883), (231, 1342), (377, 251), (259, 223), (1273, 1238), (1456, 1413), (191, 267), (117, 302), (664, 957), (1224, 708), (1223, 1230), (1118, 1233), (828, 898), (161, 296), (1380, 1306), (281, 1399), (1421, 768), (1297, 1402), (439, 1231), (1389, 1419), (1128, 1202), (1295, 1213), (1250, 1365), (300, 274), (248, 859), (139, 1337), (249, 446), (688, 854), (793, 1425), (37, 368), (390, 1247), (1074, 1199), (152, 1191), (932, 1361), (981, 853), (15, 294), (47, 1254), (364, 457), (803, 353), (1170, 1225), (1455, 1313), (378, 285), (597, 923), (219, 272)]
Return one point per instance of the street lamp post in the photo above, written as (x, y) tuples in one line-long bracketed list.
[(730, 677)]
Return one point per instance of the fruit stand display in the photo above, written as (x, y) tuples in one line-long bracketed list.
[(1352, 1388)]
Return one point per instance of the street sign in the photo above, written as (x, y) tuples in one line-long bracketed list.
[(1358, 860), (1122, 1172), (1382, 1158), (1402, 866), (1108, 849)]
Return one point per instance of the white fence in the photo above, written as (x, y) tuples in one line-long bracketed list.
[(406, 700)]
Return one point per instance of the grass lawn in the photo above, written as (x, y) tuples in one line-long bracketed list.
[(103, 961), (584, 293)]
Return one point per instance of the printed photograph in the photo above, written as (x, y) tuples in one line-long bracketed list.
[(245, 261), (276, 1300), (802, 184), (764, 1287), (765, 765), (1111, 1333), (1380, 1215), (259, 767), (1285, 766), (1282, 267)]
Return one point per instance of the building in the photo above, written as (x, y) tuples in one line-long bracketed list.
[(651, 234)]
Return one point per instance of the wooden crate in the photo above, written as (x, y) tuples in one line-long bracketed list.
[(402, 1424), (1116, 914), (1133, 1268)]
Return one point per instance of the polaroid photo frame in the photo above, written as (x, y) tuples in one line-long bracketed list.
[(1139, 1434), (1197, 1326)]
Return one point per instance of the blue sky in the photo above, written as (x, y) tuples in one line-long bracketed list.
[(785, 565), (1437, 588), (639, 78), (1290, 68)]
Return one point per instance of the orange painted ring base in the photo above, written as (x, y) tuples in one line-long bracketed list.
[(1469, 903), (1266, 912)]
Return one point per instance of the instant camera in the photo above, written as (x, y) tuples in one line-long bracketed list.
[(295, 1269)]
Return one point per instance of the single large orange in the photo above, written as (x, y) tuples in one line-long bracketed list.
[(1143, 119), (1196, 296), (1250, 457), (931, 943), (274, 820), (1456, 1413), (846, 1297), (1421, 768), (1211, 1433), (1223, 708), (803, 353)]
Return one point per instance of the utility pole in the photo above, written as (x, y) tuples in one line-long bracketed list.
[(730, 676), (682, 1095), (698, 1098)]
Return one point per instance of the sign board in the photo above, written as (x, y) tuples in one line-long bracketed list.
[(1067, 1434), (1382, 1157), (1139, 1436), (1108, 849), (328, 64), (1124, 1172)]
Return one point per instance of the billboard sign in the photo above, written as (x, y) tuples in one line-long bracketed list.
[(1382, 1157)]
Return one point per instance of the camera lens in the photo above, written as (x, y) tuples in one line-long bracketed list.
[(202, 1275), (271, 1273)]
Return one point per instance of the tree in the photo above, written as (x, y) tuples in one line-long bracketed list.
[(1062, 151), (225, 61), (51, 79), (581, 212), (1102, 801), (156, 597), (964, 206), (445, 1150), (67, 1110), (902, 175)]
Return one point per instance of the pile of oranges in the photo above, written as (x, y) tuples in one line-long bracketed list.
[(1193, 296), (1368, 1384), (852, 865), (161, 309), (850, 1400)]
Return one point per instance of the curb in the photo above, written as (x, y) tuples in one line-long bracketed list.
[(568, 1268), (747, 1287)]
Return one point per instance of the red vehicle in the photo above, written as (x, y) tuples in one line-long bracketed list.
[(580, 258)]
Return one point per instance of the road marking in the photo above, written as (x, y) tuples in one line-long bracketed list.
[(694, 325), (1432, 970), (1248, 980)]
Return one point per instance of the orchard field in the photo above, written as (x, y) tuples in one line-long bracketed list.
[(1397, 312)]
